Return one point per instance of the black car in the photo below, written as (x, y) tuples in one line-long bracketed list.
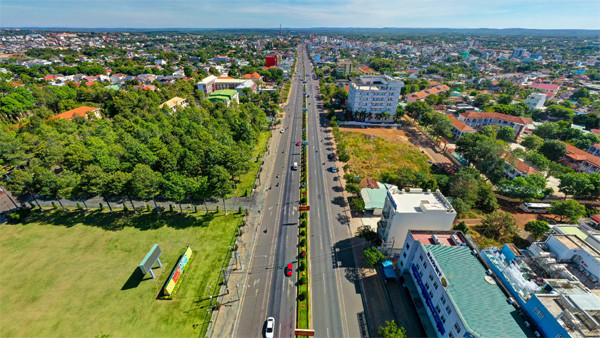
[(331, 156)]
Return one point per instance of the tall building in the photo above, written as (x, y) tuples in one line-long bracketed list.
[(344, 66), (271, 60), (454, 294), (374, 95), (536, 100), (412, 210)]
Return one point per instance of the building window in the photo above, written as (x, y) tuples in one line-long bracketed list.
[(448, 309), (420, 257), (437, 307), (421, 273), (407, 245), (443, 318), (401, 263), (539, 313), (404, 254), (457, 328), (430, 294), (443, 300), (430, 276), (450, 334), (435, 285), (424, 265), (427, 286)]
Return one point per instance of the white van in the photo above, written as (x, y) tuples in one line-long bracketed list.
[(295, 166)]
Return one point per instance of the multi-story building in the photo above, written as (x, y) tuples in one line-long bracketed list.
[(536, 100), (580, 160), (479, 120), (594, 149), (344, 66), (212, 83), (452, 290), (374, 95), (271, 60), (554, 282), (414, 209), (459, 128)]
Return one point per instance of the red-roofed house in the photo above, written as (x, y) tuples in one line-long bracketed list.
[(80, 111), (580, 160), (594, 149), (50, 77), (480, 120), (459, 128), (596, 131), (254, 77), (517, 168), (545, 86), (364, 70)]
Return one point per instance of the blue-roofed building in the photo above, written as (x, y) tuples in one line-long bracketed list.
[(452, 290)]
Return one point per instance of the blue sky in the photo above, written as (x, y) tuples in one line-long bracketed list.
[(558, 14)]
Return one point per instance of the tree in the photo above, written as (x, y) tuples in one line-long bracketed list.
[(374, 256), (484, 152), (462, 226), (498, 224), (538, 160), (357, 204), (418, 108), (174, 187), (554, 150), (145, 182), (537, 228), (440, 123), (481, 100), (460, 207), (576, 184), (528, 187), (219, 183), (506, 134), (353, 188), (391, 330), (367, 233), (568, 210)]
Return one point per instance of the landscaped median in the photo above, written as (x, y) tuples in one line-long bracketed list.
[(303, 306)]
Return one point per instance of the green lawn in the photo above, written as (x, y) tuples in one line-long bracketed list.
[(246, 182), (72, 274)]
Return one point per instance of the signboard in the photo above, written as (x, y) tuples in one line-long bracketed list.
[(150, 259), (304, 143), (304, 208), (174, 278)]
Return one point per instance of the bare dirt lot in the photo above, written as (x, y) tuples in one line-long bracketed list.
[(391, 134)]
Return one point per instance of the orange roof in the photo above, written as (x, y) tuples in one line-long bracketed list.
[(433, 90), (420, 95), (519, 165), (347, 88), (433, 83), (515, 119), (458, 124), (443, 87), (365, 69), (580, 155), (225, 78), (81, 111)]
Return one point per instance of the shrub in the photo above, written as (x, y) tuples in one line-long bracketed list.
[(148, 207), (171, 207), (101, 207), (303, 223), (303, 295), (302, 280), (125, 208), (217, 209), (303, 200), (302, 241), (240, 210), (302, 232), (53, 205), (78, 206), (302, 265), (195, 208), (240, 232)]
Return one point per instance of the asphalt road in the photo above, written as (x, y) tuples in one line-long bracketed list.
[(337, 307), (268, 292)]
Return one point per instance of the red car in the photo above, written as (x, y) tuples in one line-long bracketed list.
[(289, 270), (298, 143)]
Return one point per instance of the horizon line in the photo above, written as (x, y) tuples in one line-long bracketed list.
[(291, 28)]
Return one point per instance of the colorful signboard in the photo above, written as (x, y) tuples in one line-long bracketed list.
[(177, 272)]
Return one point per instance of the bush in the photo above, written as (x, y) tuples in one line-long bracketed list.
[(171, 207), (302, 241), (302, 265), (125, 208), (302, 232), (195, 208), (302, 280), (303, 200), (78, 206), (101, 206), (344, 157), (217, 209), (53, 205), (240, 210), (148, 207), (303, 295), (303, 223)]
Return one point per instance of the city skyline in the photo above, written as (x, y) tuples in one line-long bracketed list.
[(531, 14)]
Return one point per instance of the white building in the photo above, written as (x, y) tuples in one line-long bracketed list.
[(536, 100), (374, 94), (412, 210), (458, 298)]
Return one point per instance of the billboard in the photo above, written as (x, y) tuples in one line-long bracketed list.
[(177, 272), (151, 258)]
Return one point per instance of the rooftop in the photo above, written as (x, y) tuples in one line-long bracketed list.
[(568, 229), (80, 111), (416, 201), (573, 242), (482, 305)]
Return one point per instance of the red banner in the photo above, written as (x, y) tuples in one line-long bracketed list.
[(301, 332), (304, 208)]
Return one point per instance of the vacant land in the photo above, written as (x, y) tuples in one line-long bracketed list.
[(371, 155), (73, 274)]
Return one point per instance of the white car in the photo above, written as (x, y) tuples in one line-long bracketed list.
[(282, 130), (269, 332)]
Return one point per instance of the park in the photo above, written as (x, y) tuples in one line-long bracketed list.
[(72, 273)]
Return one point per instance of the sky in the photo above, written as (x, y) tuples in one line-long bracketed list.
[(540, 14)]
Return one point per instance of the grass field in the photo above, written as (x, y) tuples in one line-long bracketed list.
[(247, 180), (370, 156), (72, 274)]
